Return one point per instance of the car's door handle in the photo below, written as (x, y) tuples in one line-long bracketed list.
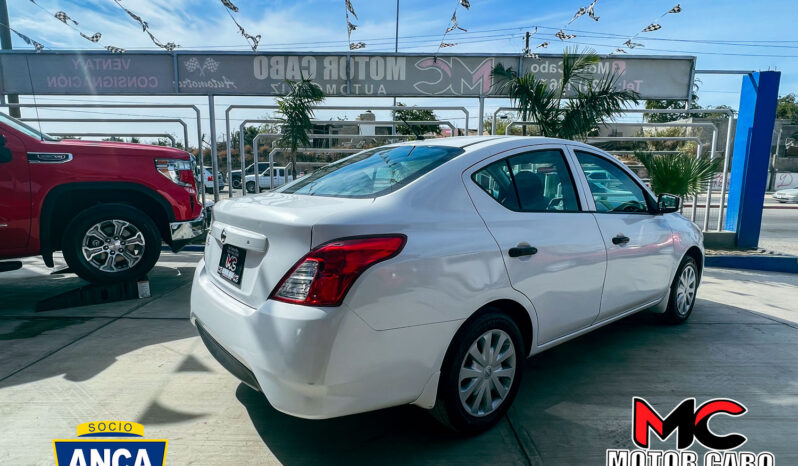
[(620, 239), (522, 251)]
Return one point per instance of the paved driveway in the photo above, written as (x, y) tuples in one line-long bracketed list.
[(141, 361)]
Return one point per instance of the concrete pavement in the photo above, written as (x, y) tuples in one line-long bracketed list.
[(141, 361)]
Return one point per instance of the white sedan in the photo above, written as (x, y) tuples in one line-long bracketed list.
[(426, 272), (786, 195)]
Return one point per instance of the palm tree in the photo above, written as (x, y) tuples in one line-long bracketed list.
[(571, 109), (679, 174), (296, 114)]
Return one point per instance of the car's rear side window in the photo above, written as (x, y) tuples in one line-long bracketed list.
[(536, 181), (373, 173)]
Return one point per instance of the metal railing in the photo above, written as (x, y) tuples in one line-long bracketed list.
[(729, 113), (656, 138), (230, 108)]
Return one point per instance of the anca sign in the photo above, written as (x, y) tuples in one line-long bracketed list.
[(110, 443), (356, 74)]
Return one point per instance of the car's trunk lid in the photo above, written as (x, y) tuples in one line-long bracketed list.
[(274, 230)]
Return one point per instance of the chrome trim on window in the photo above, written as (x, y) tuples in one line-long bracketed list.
[(49, 157)]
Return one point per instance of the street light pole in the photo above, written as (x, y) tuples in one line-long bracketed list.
[(395, 50), (5, 42)]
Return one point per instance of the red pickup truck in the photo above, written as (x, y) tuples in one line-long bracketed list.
[(108, 206)]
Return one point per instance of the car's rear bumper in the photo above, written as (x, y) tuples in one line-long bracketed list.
[(316, 363)]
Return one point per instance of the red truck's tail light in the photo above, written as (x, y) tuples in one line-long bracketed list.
[(325, 274), (179, 171)]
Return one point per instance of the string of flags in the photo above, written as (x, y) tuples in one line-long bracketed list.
[(253, 41), (72, 23), (168, 46), (36, 45), (653, 26), (453, 24), (350, 26), (589, 10)]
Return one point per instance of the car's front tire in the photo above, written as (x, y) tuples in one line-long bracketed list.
[(481, 373), (110, 243), (682, 296), (250, 186)]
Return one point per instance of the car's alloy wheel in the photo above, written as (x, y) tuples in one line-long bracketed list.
[(685, 290), (113, 245), (487, 372), (111, 242), (481, 373), (250, 186), (684, 287)]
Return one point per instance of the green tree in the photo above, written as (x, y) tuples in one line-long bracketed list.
[(679, 174), (574, 107), (415, 114), (296, 114), (787, 108)]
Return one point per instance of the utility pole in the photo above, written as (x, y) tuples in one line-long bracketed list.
[(526, 48), (5, 42)]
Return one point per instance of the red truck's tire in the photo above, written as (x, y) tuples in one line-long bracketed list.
[(110, 243)]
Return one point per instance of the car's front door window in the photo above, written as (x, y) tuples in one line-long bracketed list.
[(616, 191)]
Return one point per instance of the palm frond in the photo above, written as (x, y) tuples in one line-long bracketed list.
[(576, 68), (679, 174), (592, 107)]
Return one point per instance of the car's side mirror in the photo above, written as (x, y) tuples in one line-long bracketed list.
[(5, 152), (668, 203)]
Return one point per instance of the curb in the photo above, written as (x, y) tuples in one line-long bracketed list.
[(784, 264)]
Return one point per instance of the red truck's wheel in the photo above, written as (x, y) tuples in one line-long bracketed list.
[(111, 242)]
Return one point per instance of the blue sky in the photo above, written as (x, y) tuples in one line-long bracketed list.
[(756, 35)]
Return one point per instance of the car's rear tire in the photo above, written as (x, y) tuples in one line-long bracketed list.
[(111, 242), (481, 373), (684, 287), (250, 186), (236, 183)]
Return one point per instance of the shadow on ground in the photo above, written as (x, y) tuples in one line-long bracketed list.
[(27, 337), (575, 401)]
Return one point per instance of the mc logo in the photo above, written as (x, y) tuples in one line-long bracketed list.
[(692, 424)]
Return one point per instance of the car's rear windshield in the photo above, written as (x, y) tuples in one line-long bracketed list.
[(373, 173)]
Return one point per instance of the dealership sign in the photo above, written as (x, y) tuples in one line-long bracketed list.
[(357, 74)]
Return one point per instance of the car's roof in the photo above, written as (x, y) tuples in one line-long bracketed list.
[(488, 140)]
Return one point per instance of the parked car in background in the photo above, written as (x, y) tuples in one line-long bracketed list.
[(207, 180), (235, 175), (107, 205), (279, 174), (426, 272), (786, 195)]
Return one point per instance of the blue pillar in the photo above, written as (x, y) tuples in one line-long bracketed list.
[(752, 142)]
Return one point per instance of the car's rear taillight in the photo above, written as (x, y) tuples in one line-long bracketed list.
[(323, 276), (210, 177), (179, 171)]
